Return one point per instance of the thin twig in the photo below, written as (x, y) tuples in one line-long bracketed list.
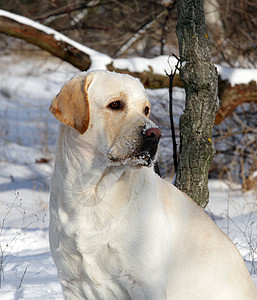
[(6, 248), (23, 275), (172, 127)]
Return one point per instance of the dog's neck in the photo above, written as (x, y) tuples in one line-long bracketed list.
[(91, 186), (87, 174)]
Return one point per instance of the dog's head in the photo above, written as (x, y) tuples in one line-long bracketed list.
[(111, 112)]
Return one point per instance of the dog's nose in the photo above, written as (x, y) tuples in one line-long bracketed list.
[(153, 134)]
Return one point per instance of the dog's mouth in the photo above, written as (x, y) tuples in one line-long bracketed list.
[(143, 159), (145, 156)]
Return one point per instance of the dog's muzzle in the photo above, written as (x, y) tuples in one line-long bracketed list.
[(150, 140), (140, 151)]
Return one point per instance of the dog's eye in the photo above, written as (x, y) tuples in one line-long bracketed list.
[(147, 110), (116, 105)]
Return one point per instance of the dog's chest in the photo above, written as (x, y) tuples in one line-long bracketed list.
[(124, 252), (119, 243), (101, 266)]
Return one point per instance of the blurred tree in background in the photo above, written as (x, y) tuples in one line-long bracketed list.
[(108, 25)]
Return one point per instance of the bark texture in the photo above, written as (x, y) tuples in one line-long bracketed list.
[(200, 80)]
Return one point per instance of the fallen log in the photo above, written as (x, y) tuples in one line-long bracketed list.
[(149, 79), (43, 37), (232, 96)]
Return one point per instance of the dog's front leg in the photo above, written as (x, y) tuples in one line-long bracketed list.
[(147, 293), (155, 293), (141, 289)]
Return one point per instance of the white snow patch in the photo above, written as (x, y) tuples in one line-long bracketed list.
[(227, 200), (157, 65), (237, 75)]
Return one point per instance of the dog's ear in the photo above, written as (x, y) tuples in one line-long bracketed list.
[(70, 106)]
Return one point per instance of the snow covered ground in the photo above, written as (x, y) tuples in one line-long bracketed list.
[(27, 140)]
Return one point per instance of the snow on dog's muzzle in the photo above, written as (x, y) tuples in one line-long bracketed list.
[(151, 137)]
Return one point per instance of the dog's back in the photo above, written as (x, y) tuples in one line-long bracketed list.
[(205, 263)]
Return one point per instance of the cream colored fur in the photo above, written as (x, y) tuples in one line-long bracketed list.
[(117, 230)]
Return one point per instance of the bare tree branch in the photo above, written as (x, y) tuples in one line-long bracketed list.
[(140, 34), (63, 10)]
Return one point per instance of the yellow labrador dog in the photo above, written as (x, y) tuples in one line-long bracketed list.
[(117, 230)]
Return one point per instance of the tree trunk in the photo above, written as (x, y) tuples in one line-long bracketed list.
[(199, 77)]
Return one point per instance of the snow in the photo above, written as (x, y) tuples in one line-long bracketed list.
[(28, 134), (141, 64), (238, 75)]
